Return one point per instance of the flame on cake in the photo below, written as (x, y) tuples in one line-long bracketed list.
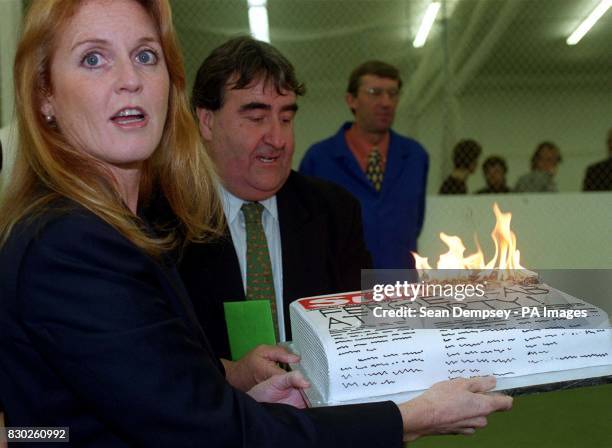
[(506, 259)]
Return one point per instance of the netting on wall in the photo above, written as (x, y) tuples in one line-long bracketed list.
[(496, 71)]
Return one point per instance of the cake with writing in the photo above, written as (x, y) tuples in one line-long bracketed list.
[(352, 350)]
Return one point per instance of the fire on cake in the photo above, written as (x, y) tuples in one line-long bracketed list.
[(505, 264)]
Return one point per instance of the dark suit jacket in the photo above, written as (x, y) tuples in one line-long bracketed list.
[(599, 176), (323, 252), (100, 337)]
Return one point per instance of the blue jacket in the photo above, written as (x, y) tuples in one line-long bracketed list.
[(393, 217)]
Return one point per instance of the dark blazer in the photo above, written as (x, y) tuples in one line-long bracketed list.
[(598, 176), (323, 252), (100, 337)]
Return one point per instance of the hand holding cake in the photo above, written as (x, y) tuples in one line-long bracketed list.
[(256, 366), (284, 389), (458, 406)]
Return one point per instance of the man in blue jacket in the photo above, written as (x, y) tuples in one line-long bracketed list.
[(384, 170)]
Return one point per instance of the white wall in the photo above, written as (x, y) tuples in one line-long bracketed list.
[(322, 111), (8, 137), (10, 24), (511, 123), (554, 231)]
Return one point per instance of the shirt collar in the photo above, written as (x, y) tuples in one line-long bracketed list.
[(232, 205), (341, 148), (361, 147)]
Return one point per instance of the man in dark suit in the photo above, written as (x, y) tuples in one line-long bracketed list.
[(598, 176), (245, 98)]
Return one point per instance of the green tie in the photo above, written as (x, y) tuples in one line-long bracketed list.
[(374, 169), (260, 281)]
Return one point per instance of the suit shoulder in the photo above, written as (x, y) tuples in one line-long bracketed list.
[(57, 235), (70, 232), (411, 145), (321, 190), (321, 144), (321, 148), (603, 165), (56, 217), (74, 225)]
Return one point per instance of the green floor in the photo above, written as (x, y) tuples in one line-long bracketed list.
[(571, 418)]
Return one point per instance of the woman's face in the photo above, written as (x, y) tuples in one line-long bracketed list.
[(548, 159), (109, 83)]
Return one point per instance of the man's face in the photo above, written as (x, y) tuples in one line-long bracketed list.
[(375, 103), (495, 176), (251, 139)]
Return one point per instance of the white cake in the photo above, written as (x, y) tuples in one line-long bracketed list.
[(347, 355)]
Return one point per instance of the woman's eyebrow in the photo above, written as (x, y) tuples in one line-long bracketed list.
[(103, 42)]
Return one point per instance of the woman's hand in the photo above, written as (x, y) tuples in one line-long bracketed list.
[(283, 388)]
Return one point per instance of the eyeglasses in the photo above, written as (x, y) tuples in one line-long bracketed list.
[(377, 92)]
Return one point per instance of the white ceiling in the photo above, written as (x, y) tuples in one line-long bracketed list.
[(486, 43)]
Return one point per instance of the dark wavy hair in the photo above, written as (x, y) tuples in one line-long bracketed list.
[(492, 161), (240, 61), (541, 147), (465, 153)]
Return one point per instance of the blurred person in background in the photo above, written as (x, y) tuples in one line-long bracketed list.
[(544, 164), (494, 169), (98, 332), (598, 177), (386, 171), (465, 161)]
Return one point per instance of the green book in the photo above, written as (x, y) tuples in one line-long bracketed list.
[(249, 324)]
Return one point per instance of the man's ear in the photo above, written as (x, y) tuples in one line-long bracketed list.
[(206, 119), (351, 101)]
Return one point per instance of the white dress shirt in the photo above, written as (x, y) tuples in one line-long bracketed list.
[(235, 220)]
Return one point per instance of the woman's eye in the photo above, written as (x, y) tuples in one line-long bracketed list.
[(92, 60), (147, 57)]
